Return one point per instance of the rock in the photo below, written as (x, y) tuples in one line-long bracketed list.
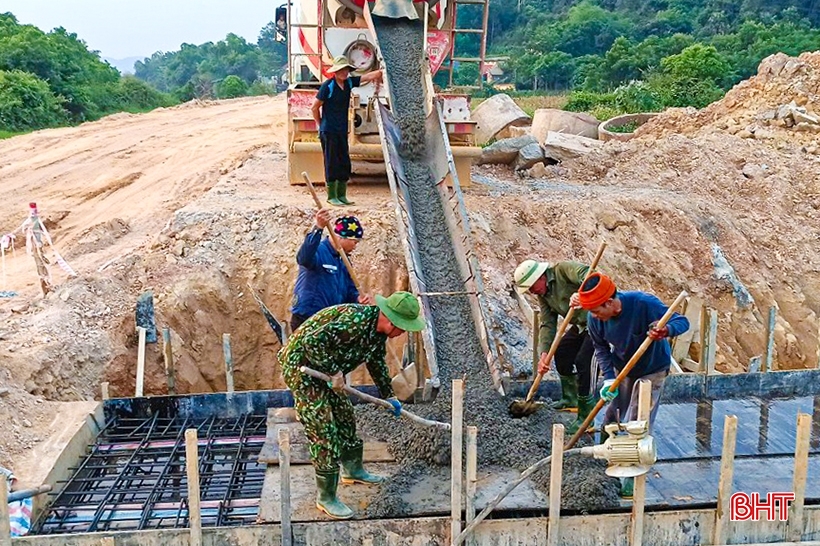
[(744, 133), (752, 171), (26, 423), (169, 258), (529, 155), (559, 121), (65, 294), (179, 248), (807, 128), (612, 220), (4, 392), (539, 170), (561, 147), (519, 131), (19, 308), (763, 134), (163, 239), (505, 151), (494, 115), (804, 117)]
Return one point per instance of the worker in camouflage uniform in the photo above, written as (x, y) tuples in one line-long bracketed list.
[(553, 285), (336, 341)]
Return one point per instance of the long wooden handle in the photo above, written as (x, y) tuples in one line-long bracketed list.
[(628, 368), (333, 239), (377, 401), (562, 328)]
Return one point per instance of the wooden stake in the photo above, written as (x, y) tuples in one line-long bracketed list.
[(801, 468), (711, 342), (768, 357), (107, 541), (284, 485), (556, 472), (704, 328), (226, 350), (639, 486), (472, 476), (192, 469), (168, 356), (456, 458), (5, 525), (727, 470), (104, 389), (140, 362)]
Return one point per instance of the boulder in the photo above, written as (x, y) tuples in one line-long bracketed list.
[(559, 121), (516, 131), (561, 147), (505, 150), (495, 115), (528, 156)]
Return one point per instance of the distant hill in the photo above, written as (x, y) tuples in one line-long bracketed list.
[(125, 66)]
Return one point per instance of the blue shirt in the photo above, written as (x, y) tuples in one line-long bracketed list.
[(616, 340), (335, 104), (323, 280)]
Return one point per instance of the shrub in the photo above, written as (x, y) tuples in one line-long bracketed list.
[(232, 87), (26, 102)]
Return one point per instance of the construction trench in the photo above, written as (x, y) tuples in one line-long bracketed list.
[(124, 480)]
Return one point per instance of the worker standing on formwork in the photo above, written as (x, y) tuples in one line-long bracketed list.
[(336, 341), (554, 285), (323, 279), (618, 324), (330, 111)]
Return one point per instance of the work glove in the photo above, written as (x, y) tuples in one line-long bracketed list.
[(656, 333), (606, 394), (396, 406)]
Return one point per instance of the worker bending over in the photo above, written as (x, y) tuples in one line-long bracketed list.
[(323, 279), (554, 285), (330, 112), (618, 324), (335, 341)]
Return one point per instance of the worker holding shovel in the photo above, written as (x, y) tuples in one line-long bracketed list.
[(553, 285), (336, 341), (618, 324)]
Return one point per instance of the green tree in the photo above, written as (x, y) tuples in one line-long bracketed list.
[(26, 102), (232, 87)]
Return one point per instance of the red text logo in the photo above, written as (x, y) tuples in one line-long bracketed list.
[(745, 507)]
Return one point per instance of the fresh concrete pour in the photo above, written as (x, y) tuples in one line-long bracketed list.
[(502, 440)]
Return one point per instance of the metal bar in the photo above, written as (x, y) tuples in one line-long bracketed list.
[(148, 506)]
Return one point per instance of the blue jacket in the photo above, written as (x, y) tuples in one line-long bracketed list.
[(617, 339), (323, 280)]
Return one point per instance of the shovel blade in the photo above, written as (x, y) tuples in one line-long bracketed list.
[(522, 408), (395, 9)]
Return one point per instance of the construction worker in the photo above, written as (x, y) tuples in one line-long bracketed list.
[(323, 279), (330, 111), (336, 341), (553, 285), (618, 324)]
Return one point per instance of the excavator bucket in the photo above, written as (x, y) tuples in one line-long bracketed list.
[(394, 9)]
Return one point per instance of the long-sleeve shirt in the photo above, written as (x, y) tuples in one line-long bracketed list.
[(340, 339), (323, 279), (616, 340), (563, 280)]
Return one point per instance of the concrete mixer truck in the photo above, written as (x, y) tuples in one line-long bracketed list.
[(319, 30)]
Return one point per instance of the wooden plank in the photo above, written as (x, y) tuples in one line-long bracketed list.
[(168, 357), (140, 362), (5, 525), (472, 478), (192, 470), (104, 388), (639, 487), (226, 351), (284, 486), (690, 365), (682, 343), (727, 469), (711, 342), (768, 356), (456, 489), (556, 474), (801, 469)]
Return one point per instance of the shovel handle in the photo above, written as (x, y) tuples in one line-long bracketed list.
[(559, 335), (628, 368), (377, 401), (333, 239)]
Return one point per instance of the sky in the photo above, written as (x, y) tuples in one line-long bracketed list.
[(120, 29)]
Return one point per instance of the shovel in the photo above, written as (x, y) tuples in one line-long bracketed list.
[(377, 401), (523, 408)]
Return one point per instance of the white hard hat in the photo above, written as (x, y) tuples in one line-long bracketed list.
[(527, 273)]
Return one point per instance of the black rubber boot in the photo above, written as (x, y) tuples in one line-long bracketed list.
[(353, 468), (326, 501), (569, 394)]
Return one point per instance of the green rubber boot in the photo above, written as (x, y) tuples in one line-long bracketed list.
[(333, 193), (627, 488), (353, 470), (585, 405), (341, 194), (326, 501), (569, 394)]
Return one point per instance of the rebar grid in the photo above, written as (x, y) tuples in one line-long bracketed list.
[(133, 477)]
